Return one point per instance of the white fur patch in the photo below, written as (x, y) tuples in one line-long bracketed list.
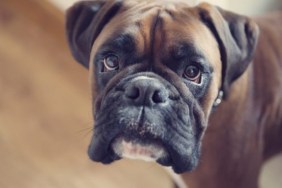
[(132, 150)]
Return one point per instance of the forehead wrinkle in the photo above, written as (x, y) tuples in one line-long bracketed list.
[(192, 31), (206, 43), (139, 36), (144, 20), (121, 42)]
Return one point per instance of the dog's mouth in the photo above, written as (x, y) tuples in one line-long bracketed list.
[(125, 147), (181, 156), (138, 124), (146, 141)]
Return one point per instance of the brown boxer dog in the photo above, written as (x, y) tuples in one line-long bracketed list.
[(159, 70)]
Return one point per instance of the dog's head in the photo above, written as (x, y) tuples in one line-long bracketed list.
[(156, 70)]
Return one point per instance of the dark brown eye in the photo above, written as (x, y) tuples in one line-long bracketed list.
[(192, 73), (111, 62)]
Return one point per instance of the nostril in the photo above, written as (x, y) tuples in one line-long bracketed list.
[(159, 97), (132, 92)]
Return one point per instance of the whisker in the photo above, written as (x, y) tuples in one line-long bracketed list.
[(87, 128), (87, 133)]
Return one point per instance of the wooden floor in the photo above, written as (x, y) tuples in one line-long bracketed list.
[(45, 112)]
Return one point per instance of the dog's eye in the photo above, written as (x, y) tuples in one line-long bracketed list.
[(192, 73), (111, 62)]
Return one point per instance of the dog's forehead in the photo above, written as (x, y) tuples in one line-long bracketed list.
[(169, 23), (186, 29), (159, 3)]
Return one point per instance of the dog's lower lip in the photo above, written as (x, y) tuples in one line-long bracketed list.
[(136, 148)]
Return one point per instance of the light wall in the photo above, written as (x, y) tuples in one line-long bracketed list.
[(63, 4), (248, 7)]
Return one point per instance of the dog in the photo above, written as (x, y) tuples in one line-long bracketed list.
[(194, 88)]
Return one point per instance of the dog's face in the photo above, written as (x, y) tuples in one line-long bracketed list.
[(156, 69)]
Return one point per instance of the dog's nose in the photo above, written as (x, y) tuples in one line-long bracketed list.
[(146, 91)]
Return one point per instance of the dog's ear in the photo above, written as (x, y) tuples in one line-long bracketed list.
[(84, 21), (237, 38)]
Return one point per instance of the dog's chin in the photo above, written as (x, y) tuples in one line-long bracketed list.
[(136, 149), (150, 150), (171, 150)]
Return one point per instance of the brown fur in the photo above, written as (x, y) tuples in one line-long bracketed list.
[(247, 128)]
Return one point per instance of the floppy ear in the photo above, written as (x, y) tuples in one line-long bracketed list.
[(84, 21), (237, 38)]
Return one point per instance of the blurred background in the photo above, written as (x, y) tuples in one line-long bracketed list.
[(45, 106)]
